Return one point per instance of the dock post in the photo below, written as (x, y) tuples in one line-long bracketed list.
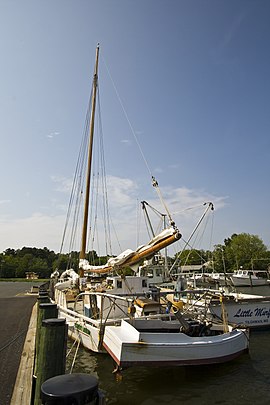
[(51, 355), (45, 311), (43, 298), (78, 388)]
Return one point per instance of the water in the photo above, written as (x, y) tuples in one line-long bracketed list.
[(242, 381)]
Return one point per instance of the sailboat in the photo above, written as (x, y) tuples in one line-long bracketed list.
[(126, 317)]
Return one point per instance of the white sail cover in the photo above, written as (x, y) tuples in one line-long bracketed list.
[(127, 254), (163, 235), (71, 274)]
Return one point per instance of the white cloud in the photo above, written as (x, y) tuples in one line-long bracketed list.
[(121, 191), (158, 170), (64, 184), (40, 230), (174, 166), (52, 135), (186, 207), (37, 230)]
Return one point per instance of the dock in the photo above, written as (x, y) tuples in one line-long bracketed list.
[(24, 352), (16, 309)]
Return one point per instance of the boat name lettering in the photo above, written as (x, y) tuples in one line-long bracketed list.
[(241, 313), (249, 313), (262, 312)]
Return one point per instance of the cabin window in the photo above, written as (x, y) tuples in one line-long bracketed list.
[(119, 284), (144, 283)]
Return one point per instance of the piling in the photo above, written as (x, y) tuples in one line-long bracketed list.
[(51, 354), (46, 310), (43, 297), (79, 389)]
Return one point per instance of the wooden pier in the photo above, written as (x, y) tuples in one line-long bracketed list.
[(23, 386), (16, 310)]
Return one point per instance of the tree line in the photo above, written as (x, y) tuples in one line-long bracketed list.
[(240, 250), (15, 263)]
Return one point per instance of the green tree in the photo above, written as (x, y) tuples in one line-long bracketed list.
[(60, 263), (8, 266), (40, 266), (192, 256), (241, 250), (24, 263)]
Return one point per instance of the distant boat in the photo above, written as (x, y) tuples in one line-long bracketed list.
[(250, 278)]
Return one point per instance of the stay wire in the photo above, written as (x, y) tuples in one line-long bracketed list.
[(154, 182), (77, 180), (210, 207), (127, 118)]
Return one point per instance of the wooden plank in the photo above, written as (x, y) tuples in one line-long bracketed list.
[(23, 387)]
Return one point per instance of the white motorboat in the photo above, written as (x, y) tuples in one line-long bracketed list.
[(251, 278), (161, 342)]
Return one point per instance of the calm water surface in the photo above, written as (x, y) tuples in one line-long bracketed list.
[(245, 380)]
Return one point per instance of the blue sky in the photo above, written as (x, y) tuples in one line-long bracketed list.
[(193, 78)]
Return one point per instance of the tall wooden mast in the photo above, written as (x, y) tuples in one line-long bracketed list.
[(89, 165)]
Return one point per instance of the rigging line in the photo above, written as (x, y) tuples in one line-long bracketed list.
[(159, 226), (127, 118), (75, 356), (154, 182), (211, 255), (150, 235), (104, 186), (79, 164), (187, 209), (203, 231), (70, 350), (115, 234), (99, 182), (138, 221), (158, 213), (77, 202), (210, 206), (192, 247), (212, 230)]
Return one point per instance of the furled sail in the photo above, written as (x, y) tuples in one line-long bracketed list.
[(132, 258)]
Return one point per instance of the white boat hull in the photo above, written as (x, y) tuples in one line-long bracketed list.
[(80, 329), (128, 347), (248, 282), (250, 278), (254, 312), (154, 340)]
